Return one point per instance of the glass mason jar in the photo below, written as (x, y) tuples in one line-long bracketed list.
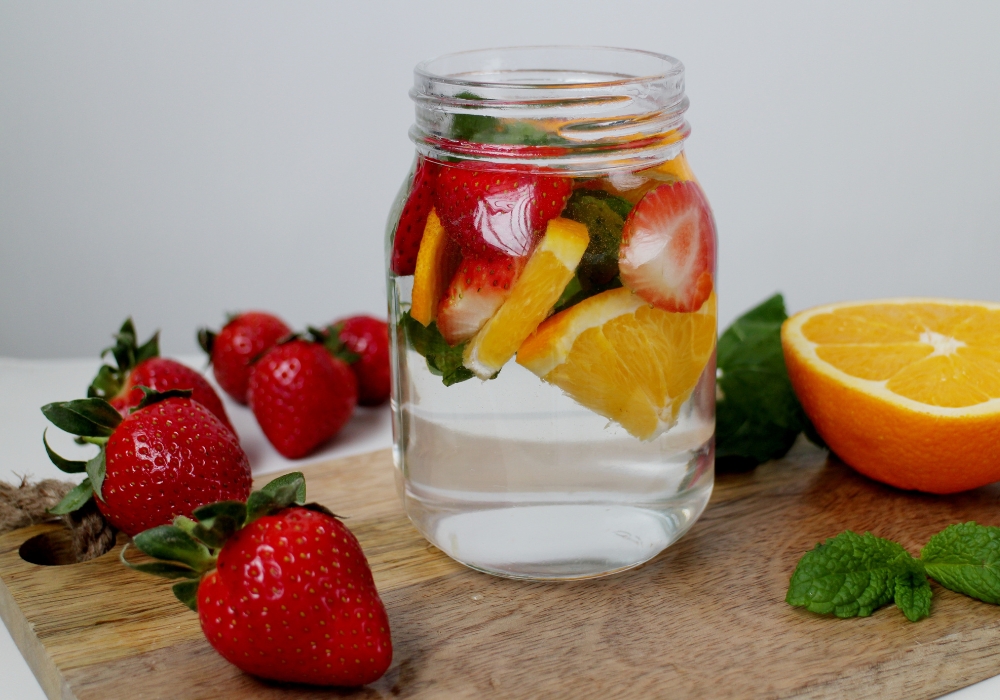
[(551, 284)]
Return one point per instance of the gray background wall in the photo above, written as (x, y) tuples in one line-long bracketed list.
[(178, 160)]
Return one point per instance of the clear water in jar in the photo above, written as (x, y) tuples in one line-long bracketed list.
[(512, 477)]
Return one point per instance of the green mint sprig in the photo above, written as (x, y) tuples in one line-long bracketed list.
[(481, 128), (852, 575), (758, 416), (443, 360)]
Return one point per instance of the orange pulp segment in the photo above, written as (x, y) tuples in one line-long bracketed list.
[(624, 358), (436, 263), (933, 353), (675, 170), (546, 274), (907, 391)]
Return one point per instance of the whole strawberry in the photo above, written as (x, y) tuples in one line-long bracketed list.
[(142, 366), (231, 351), (367, 338), (282, 591), (301, 396), (165, 458)]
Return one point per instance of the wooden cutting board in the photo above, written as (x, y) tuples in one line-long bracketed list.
[(704, 619)]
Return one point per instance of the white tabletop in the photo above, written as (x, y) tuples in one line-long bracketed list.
[(26, 385)]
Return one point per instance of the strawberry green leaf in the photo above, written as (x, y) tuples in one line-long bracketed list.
[(965, 558), (75, 499), (187, 593), (96, 470), (149, 349), (329, 338), (162, 569), (318, 508), (277, 494), (296, 479), (150, 396), (206, 340), (260, 504), (223, 527), (171, 543), (218, 522), (127, 353), (231, 509), (91, 417), (107, 384), (125, 346), (66, 465), (850, 575)]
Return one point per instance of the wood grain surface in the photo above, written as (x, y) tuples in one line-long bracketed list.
[(706, 618)]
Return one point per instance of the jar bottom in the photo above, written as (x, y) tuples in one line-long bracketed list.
[(556, 541)]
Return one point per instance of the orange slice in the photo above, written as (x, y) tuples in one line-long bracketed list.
[(634, 186), (536, 291), (436, 262), (623, 358), (906, 391), (676, 170)]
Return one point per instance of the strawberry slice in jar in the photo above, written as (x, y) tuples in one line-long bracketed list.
[(495, 215), (667, 255)]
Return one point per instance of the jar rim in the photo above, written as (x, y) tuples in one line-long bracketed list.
[(669, 67), (580, 108)]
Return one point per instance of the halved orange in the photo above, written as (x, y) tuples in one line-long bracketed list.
[(437, 259), (906, 391), (623, 358), (536, 291)]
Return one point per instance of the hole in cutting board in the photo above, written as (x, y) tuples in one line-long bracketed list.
[(53, 548)]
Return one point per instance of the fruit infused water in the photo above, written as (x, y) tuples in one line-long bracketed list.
[(552, 265)]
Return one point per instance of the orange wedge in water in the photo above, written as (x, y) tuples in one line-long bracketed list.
[(906, 391), (437, 260), (623, 358), (546, 274)]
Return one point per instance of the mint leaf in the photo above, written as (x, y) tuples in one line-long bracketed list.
[(479, 128), (604, 216), (965, 558), (443, 360), (912, 592), (758, 415), (852, 575)]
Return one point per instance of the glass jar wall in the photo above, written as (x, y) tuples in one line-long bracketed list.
[(551, 280)]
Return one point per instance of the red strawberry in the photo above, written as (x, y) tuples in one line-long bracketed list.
[(667, 254), (283, 592), (368, 339), (485, 208), (142, 366), (245, 337), (410, 229), (165, 459), (301, 396), (161, 374), (481, 284)]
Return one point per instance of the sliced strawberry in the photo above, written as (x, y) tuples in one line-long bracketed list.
[(410, 229), (488, 209), (481, 284), (667, 255)]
